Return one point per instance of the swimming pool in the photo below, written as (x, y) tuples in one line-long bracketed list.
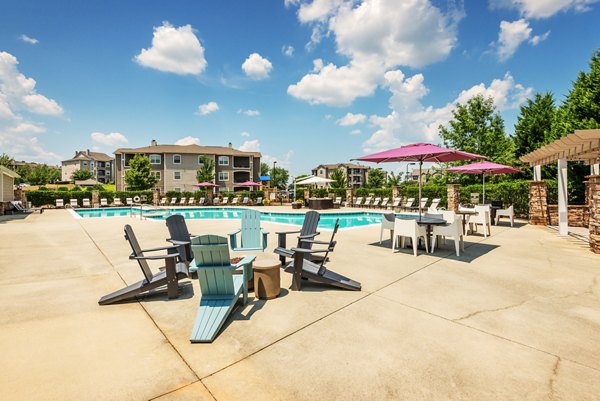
[(327, 221)]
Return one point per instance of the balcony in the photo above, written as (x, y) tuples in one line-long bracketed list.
[(241, 162)]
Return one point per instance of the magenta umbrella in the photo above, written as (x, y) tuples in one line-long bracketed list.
[(484, 168), (205, 184), (247, 184), (420, 152)]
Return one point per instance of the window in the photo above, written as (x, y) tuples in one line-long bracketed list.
[(157, 174), (154, 159), (201, 160), (321, 172), (85, 163), (176, 159), (223, 176), (177, 175), (223, 160)]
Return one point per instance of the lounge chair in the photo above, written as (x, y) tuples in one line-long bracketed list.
[(191, 202), (358, 202), (423, 203), (103, 202), (170, 277), (395, 205), (173, 201), (86, 202), (376, 203), (508, 212), (252, 236), (163, 201), (408, 204), (308, 231), (384, 203), (258, 201), (19, 207), (117, 202), (367, 202), (60, 203), (182, 201), (435, 203), (337, 203), (219, 286), (201, 201), (302, 268), (224, 201), (235, 201), (73, 203), (245, 201), (129, 201)]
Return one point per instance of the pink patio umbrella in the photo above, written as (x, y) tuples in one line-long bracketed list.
[(420, 152), (205, 184), (247, 184), (484, 168)]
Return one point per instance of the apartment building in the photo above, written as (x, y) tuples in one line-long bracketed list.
[(176, 165), (356, 174), (426, 174), (100, 164)]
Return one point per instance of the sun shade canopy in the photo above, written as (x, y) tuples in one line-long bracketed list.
[(421, 152), (314, 180), (583, 145), (247, 184), (205, 184), (483, 168)]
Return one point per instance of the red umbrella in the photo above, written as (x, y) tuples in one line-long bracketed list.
[(205, 184), (484, 168), (247, 184), (420, 152)]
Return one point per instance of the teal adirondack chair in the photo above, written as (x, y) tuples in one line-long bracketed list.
[(252, 237), (220, 287)]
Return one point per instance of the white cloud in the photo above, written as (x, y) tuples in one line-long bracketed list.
[(29, 39), (207, 108), (175, 50), (511, 35), (284, 160), (249, 113), (375, 36), (245, 134), (288, 50), (257, 67), (250, 146), (355, 132), (113, 139), (18, 99), (412, 121), (188, 140), (539, 38), (351, 119), (543, 8)]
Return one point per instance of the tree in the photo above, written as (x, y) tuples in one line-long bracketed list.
[(477, 128), (264, 168), (6, 161), (41, 174), (81, 174), (376, 178), (140, 175), (534, 123), (339, 179), (206, 172), (279, 177), (394, 180)]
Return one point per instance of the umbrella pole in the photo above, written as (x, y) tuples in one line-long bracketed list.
[(420, 183), (483, 182)]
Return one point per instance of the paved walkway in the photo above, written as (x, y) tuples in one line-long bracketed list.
[(517, 317)]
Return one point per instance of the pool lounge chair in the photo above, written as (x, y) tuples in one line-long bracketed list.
[(376, 203), (245, 201), (252, 236), (73, 203), (129, 201), (302, 268), (224, 201), (434, 205), (235, 201), (395, 205), (19, 207), (191, 202), (367, 202), (358, 202), (163, 201), (170, 276), (408, 204), (86, 202), (258, 201), (220, 288), (103, 202), (182, 201), (173, 201), (60, 203), (201, 201), (384, 203), (117, 202)]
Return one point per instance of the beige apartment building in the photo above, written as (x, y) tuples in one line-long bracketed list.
[(176, 165), (100, 164), (355, 173)]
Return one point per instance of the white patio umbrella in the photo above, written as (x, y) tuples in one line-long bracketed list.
[(314, 180)]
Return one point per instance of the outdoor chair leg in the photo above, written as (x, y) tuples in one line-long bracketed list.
[(297, 273), (172, 281)]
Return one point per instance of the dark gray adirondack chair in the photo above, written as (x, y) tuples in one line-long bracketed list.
[(252, 236), (307, 232), (220, 287), (180, 237), (170, 276), (301, 267)]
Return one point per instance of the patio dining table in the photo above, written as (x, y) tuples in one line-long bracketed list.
[(465, 213)]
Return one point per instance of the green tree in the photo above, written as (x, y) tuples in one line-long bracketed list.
[(206, 172), (6, 160), (394, 179), (279, 177), (81, 174), (477, 127), (41, 174), (376, 178), (339, 179), (264, 168), (140, 175)]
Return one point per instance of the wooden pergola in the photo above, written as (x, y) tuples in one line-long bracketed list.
[(581, 145)]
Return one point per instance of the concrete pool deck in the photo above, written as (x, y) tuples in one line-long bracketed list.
[(516, 317)]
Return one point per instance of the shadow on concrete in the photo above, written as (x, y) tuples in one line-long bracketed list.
[(10, 217), (446, 250), (186, 291)]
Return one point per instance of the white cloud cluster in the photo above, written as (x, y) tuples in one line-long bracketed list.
[(288, 50), (29, 39), (257, 67), (512, 34), (249, 113), (284, 160), (113, 139), (411, 121), (188, 140), (375, 36), (250, 146), (18, 98), (245, 134), (538, 9), (207, 108), (175, 50), (351, 119)]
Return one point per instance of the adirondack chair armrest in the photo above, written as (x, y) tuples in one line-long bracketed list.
[(246, 265), (302, 250), (315, 242), (155, 257), (307, 236), (286, 232), (162, 248), (262, 230), (175, 242), (235, 232)]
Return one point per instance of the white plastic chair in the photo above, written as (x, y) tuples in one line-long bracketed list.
[(452, 229), (410, 229), (482, 218), (508, 212), (387, 223)]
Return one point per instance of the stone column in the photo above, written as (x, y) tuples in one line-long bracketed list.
[(395, 192), (156, 197), (2, 205), (19, 195), (95, 198), (349, 196), (306, 193), (453, 196), (594, 184), (538, 203)]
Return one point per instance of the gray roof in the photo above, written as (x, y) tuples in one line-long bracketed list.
[(188, 149)]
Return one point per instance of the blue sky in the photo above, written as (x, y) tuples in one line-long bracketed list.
[(304, 82)]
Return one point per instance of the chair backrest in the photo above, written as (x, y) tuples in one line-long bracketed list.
[(163, 201), (103, 201), (250, 235), (409, 202), (225, 200), (483, 214), (211, 255), (118, 201), (73, 202), (60, 203), (338, 199), (86, 202), (385, 201), (173, 200), (434, 215), (259, 199), (17, 205), (407, 227), (245, 200), (178, 231), (388, 220), (496, 203), (330, 246), (424, 202), (435, 203), (182, 201), (396, 202), (129, 201), (449, 215), (137, 251), (359, 200), (474, 198), (201, 201), (191, 201)]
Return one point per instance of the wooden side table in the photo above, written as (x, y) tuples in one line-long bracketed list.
[(267, 284)]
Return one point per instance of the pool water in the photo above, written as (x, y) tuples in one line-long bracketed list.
[(327, 221)]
